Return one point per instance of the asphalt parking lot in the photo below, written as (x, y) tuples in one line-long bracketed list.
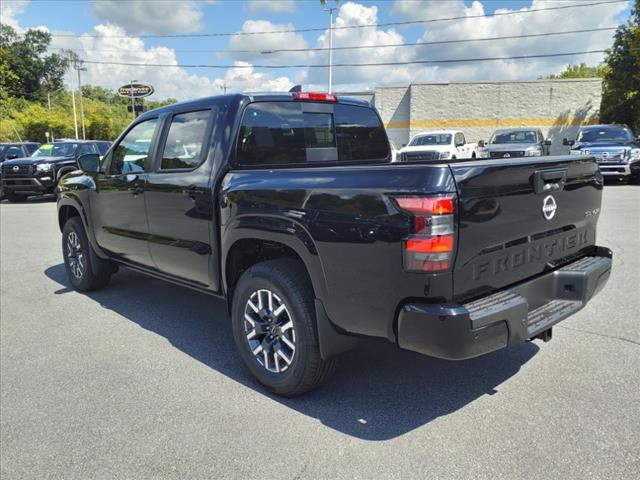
[(141, 380)]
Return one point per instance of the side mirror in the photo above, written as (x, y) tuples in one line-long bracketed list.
[(567, 142), (89, 162), (547, 142), (404, 145), (481, 143)]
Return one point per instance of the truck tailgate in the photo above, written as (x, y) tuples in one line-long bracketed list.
[(521, 217)]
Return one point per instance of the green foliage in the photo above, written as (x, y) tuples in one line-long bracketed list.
[(31, 71), (580, 71), (28, 75), (621, 84)]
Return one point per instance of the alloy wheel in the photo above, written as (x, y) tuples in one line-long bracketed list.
[(269, 330), (75, 256)]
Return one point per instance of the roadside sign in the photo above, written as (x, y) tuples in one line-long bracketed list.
[(135, 90)]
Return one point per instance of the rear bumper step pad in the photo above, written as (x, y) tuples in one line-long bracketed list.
[(516, 314)]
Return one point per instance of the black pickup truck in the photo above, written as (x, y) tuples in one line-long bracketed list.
[(287, 206)]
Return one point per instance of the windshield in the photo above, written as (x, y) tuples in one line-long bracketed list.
[(56, 150), (605, 134), (435, 139), (518, 136)]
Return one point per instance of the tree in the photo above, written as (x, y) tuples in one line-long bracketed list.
[(33, 72), (621, 82), (580, 71)]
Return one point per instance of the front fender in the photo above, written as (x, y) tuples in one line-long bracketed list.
[(73, 191)]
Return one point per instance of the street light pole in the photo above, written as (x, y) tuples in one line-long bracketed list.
[(133, 100), (330, 10)]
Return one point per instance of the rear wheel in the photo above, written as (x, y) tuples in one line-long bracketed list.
[(14, 197), (76, 251), (274, 328)]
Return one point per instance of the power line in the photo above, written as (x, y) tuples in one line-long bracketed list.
[(381, 64), (358, 47), (346, 27)]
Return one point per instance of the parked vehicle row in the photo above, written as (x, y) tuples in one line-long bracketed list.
[(288, 207), (615, 148), (38, 173)]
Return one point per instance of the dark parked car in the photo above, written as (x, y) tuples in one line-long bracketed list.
[(616, 149), (9, 151), (287, 206), (39, 173)]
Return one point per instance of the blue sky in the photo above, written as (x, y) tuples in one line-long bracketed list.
[(107, 20)]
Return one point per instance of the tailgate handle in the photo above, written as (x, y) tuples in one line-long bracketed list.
[(546, 181)]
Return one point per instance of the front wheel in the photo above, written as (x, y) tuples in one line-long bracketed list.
[(274, 328), (76, 252)]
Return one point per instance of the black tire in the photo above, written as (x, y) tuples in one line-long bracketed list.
[(83, 274), (290, 285), (14, 197)]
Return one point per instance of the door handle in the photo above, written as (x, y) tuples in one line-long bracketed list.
[(547, 181), (191, 192), (136, 190)]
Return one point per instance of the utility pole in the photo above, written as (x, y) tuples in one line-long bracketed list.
[(77, 64), (49, 105), (330, 10), (73, 97), (224, 87)]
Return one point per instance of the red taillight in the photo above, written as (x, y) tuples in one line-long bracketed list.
[(433, 205), (315, 97), (430, 246)]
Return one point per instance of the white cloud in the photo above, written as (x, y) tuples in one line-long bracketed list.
[(267, 42), (355, 78), (274, 6), (173, 82), (137, 16), (246, 80), (513, 25), (10, 11)]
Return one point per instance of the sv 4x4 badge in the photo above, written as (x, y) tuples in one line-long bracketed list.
[(549, 207)]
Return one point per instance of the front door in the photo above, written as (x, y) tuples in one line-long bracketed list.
[(118, 203), (180, 200)]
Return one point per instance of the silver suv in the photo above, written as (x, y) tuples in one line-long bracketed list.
[(515, 142)]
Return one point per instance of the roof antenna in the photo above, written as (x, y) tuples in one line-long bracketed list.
[(295, 88)]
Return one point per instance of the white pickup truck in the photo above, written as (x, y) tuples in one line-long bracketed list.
[(437, 145)]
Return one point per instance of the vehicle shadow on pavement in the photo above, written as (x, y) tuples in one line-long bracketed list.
[(379, 392)]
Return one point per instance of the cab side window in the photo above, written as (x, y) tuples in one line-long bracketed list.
[(185, 140), (86, 148), (132, 153)]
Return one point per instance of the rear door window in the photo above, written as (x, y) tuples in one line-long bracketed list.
[(294, 133)]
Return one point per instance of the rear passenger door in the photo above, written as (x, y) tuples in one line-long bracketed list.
[(180, 200)]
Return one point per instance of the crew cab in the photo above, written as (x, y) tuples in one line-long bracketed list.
[(615, 148), (38, 174), (436, 146), (515, 142), (287, 206)]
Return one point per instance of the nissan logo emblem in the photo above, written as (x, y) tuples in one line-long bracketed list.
[(506, 155), (549, 207), (16, 168)]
